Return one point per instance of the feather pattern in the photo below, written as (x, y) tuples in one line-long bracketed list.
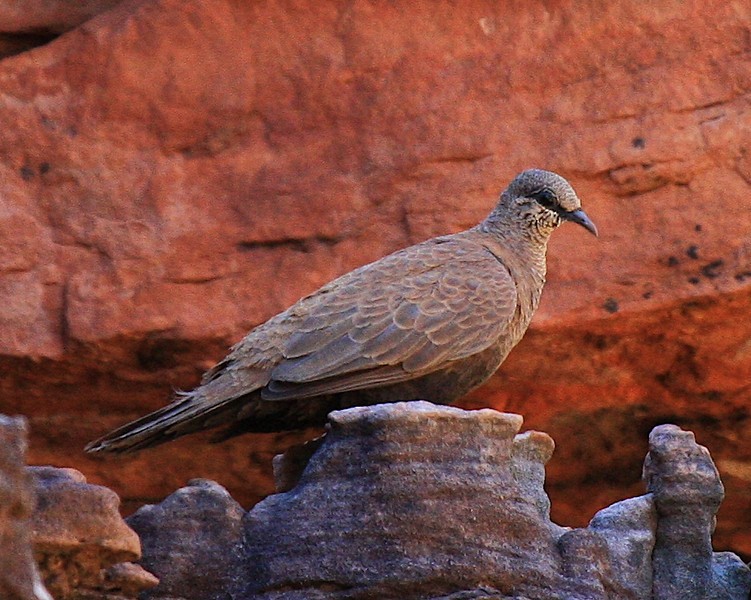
[(405, 324)]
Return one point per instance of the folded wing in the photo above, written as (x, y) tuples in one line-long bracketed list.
[(394, 323)]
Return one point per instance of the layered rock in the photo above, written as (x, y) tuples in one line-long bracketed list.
[(411, 500), (193, 539), (687, 492), (405, 500), (399, 496)]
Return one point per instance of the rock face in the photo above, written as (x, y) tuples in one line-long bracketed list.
[(177, 171), (416, 501), (82, 545)]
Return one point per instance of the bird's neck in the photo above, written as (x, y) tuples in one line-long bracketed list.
[(522, 250), (521, 240)]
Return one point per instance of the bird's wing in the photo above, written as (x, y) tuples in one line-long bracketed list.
[(397, 319)]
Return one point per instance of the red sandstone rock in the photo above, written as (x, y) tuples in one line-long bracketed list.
[(177, 171), (48, 16)]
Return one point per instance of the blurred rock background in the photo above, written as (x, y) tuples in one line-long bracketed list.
[(174, 172)]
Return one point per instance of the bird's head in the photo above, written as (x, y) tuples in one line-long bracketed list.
[(542, 200)]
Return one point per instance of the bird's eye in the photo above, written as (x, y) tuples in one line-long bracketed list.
[(545, 197)]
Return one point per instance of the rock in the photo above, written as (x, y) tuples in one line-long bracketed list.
[(19, 579), (687, 492), (413, 500), (531, 452), (150, 151), (191, 540), (383, 476), (382, 503), (81, 543), (730, 576), (628, 530), (49, 16)]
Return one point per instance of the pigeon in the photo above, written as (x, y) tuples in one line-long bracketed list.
[(430, 322)]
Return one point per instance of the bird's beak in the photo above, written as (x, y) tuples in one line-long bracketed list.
[(580, 217)]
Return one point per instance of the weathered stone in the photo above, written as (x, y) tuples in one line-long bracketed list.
[(628, 529), (396, 498), (584, 559), (731, 578), (414, 501), (79, 535), (19, 579), (191, 541), (532, 450), (687, 492)]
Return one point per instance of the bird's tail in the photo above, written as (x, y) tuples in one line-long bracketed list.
[(190, 412)]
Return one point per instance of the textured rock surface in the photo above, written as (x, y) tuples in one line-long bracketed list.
[(446, 471), (687, 492), (177, 171), (628, 530), (413, 500), (192, 538), (406, 500), (19, 579), (48, 16), (81, 543), (355, 524)]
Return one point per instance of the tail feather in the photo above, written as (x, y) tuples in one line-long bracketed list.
[(190, 412)]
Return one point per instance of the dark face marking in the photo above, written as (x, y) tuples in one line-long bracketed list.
[(546, 198)]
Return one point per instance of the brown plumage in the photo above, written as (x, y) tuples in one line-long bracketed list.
[(432, 321)]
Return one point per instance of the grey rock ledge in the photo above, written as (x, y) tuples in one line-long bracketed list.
[(417, 501)]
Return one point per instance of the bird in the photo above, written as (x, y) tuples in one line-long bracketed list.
[(429, 322)]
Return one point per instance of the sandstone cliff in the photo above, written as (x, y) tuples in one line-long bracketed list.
[(174, 172)]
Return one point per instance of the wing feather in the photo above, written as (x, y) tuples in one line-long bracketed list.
[(397, 319)]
